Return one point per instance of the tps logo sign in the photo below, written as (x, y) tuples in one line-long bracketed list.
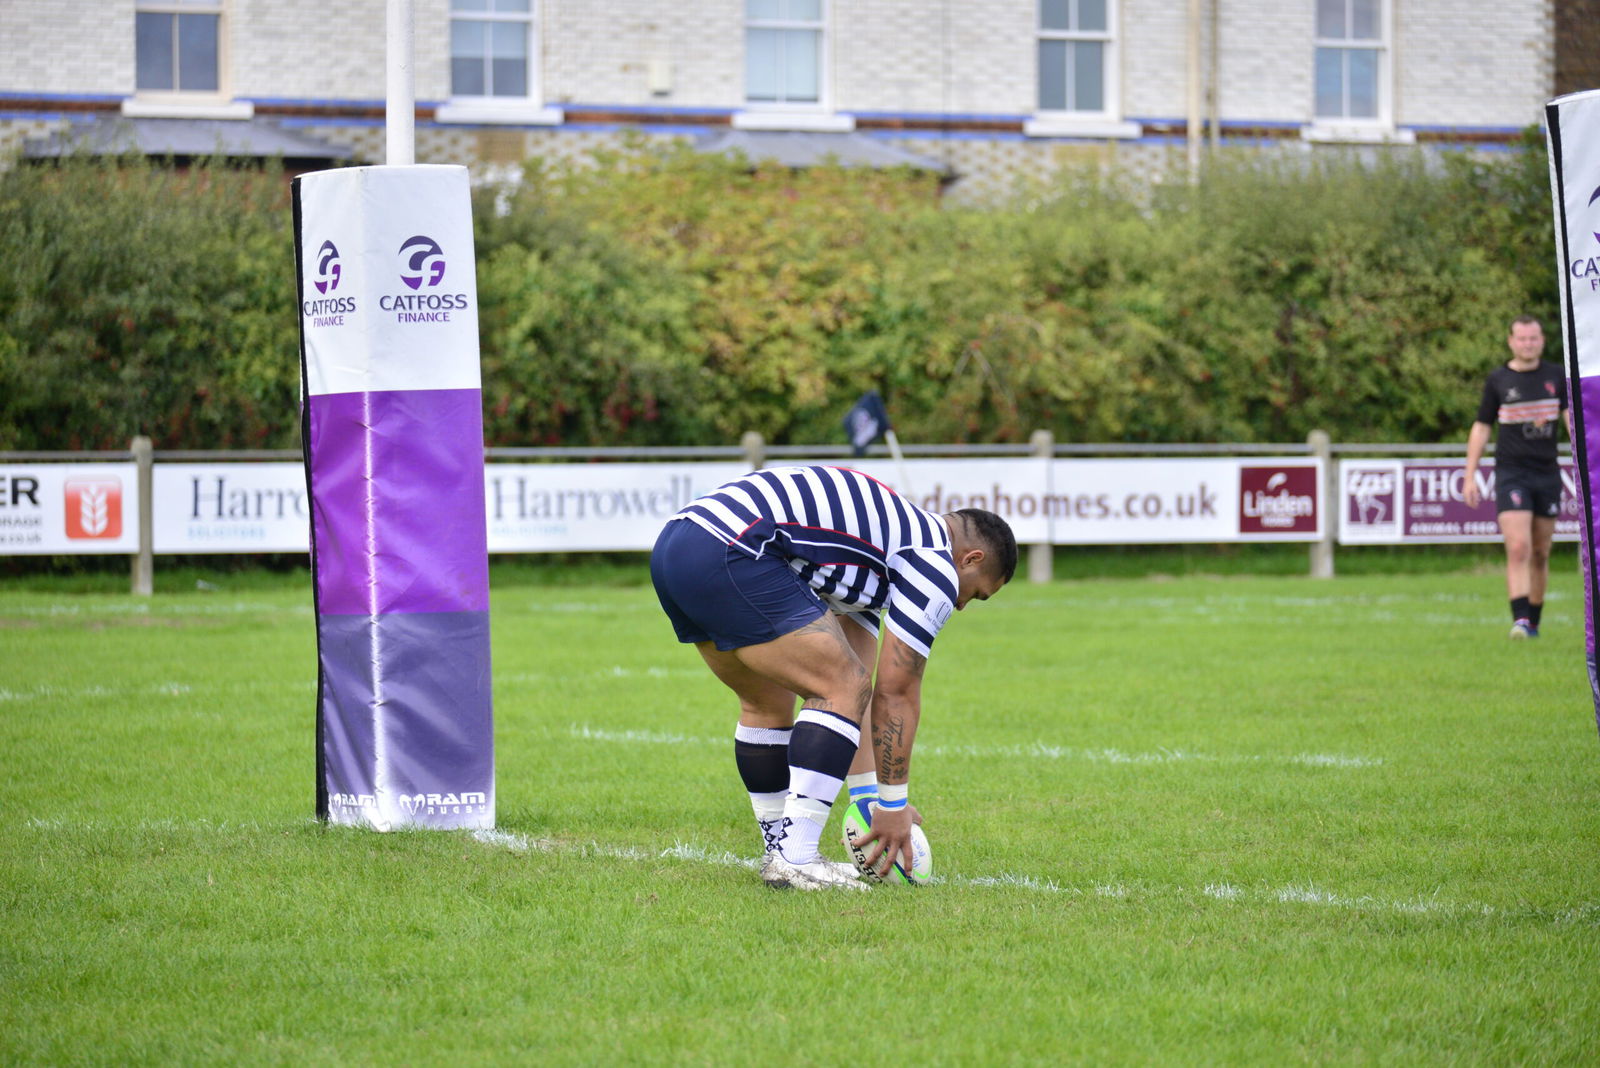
[(422, 262), (1277, 500), (1371, 496), (93, 508)]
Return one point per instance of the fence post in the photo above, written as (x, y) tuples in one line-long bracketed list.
[(1322, 551), (1041, 558), (144, 559), (755, 449)]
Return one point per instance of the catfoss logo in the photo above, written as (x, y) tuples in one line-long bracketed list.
[(1277, 500), (423, 262), (94, 508), (1585, 270), (328, 268)]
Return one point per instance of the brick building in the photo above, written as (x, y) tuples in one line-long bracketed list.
[(985, 90)]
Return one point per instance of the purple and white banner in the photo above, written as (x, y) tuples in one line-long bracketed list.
[(1395, 502), (1572, 125), (393, 434)]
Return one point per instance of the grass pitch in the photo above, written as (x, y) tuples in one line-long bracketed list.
[(1244, 820)]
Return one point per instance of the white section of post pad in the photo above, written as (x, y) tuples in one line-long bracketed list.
[(390, 296), (1579, 167)]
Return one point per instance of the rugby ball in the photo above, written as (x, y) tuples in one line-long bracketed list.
[(857, 822)]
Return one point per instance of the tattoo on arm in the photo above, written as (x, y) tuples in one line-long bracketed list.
[(888, 739), (908, 659)]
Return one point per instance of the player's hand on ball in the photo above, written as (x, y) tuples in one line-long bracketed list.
[(889, 840)]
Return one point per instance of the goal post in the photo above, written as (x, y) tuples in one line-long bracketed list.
[(392, 428)]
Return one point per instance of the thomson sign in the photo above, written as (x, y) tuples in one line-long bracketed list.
[(1391, 502)]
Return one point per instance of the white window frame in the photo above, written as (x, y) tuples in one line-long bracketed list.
[(215, 103), (1108, 121), (817, 115), (1379, 128), (526, 110)]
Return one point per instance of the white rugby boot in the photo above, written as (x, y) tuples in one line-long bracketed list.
[(817, 874)]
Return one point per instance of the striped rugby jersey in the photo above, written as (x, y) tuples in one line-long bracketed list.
[(862, 547)]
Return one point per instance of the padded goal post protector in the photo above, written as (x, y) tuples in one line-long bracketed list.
[(1572, 125), (392, 429)]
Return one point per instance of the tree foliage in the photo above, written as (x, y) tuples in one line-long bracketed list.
[(660, 296), (140, 300)]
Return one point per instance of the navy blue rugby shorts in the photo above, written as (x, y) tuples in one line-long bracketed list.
[(1519, 489), (714, 592)]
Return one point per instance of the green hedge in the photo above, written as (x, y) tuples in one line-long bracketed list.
[(662, 296)]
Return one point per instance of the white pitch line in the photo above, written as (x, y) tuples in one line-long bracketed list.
[(1037, 750), (46, 691), (1288, 895), (597, 734), (112, 608), (1587, 914)]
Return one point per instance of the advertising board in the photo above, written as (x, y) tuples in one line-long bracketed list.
[(1394, 502), (68, 509)]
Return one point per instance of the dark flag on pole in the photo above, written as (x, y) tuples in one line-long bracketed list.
[(866, 422)]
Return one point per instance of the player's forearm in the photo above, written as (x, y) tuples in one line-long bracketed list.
[(894, 727), (1477, 440)]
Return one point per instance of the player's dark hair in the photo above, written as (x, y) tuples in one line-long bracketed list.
[(995, 535), (1527, 320)]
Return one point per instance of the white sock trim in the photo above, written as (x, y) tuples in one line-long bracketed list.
[(814, 784), (862, 782), (769, 807), (833, 721), (762, 735)]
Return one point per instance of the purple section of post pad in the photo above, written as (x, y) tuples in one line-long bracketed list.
[(1589, 398), (409, 732), (397, 501)]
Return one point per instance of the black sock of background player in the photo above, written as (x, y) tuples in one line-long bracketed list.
[(1534, 611), (1520, 609)]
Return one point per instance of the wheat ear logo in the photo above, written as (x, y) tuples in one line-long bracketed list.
[(93, 508)]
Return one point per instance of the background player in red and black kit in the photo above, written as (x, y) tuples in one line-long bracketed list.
[(1527, 397)]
